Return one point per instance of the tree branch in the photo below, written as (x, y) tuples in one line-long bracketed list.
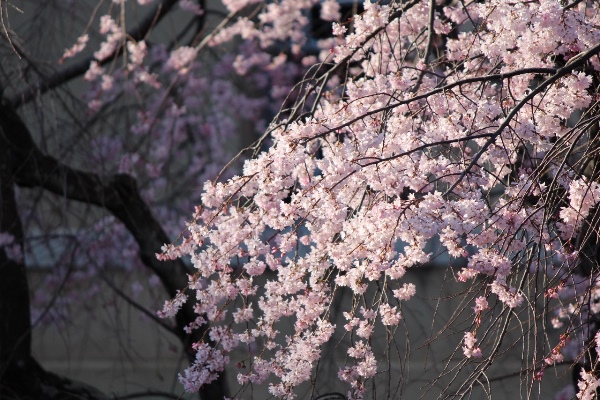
[(119, 195), (20, 374), (138, 306), (73, 71)]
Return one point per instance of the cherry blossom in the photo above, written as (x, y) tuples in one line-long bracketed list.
[(464, 131), (463, 149), (470, 347), (587, 386)]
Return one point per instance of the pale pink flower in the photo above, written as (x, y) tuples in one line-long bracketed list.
[(171, 307), (389, 315), (507, 295), (93, 72), (108, 25), (237, 5), (470, 348), (137, 52), (339, 30), (181, 59), (76, 48), (481, 304), (330, 10), (587, 386)]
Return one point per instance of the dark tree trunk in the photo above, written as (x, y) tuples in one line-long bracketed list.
[(21, 377), (15, 324), (23, 164)]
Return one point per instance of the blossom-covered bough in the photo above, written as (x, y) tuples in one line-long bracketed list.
[(422, 131), (471, 123)]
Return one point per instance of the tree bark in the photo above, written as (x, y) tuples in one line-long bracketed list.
[(117, 194), (15, 323), (21, 377)]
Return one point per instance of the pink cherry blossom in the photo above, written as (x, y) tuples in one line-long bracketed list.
[(413, 135)]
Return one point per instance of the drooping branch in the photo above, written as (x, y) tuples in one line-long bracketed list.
[(73, 71), (152, 316)]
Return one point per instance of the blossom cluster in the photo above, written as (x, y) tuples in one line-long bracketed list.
[(410, 126), (467, 149), (470, 347), (588, 385)]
